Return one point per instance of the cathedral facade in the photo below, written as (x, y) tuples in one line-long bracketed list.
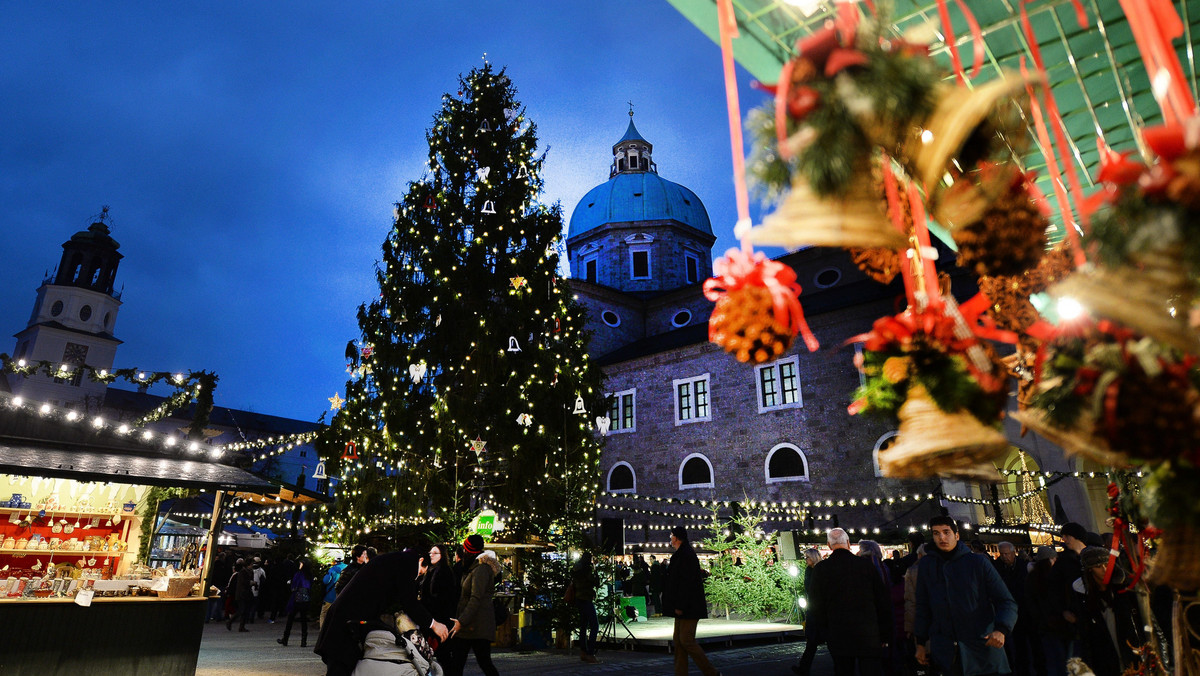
[(690, 426)]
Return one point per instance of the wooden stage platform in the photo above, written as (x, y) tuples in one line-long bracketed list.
[(656, 632)]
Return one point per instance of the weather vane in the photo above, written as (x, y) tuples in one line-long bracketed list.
[(630, 108)]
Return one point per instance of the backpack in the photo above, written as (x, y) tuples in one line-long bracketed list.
[(301, 595)]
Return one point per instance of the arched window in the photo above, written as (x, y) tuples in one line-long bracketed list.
[(621, 478), (785, 462), (882, 444), (695, 472)]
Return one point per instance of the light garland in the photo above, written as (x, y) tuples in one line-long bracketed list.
[(71, 417)]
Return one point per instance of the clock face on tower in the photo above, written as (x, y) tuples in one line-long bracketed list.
[(75, 354)]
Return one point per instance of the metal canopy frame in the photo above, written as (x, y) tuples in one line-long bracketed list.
[(1096, 72)]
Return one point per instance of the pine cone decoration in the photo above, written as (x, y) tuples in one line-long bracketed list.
[(1010, 239), (879, 264), (743, 323), (1055, 265), (1010, 307), (1167, 429)]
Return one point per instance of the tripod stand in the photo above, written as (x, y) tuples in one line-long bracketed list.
[(611, 602)]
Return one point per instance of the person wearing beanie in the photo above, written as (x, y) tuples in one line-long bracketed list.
[(475, 624), (683, 598), (963, 608), (1106, 614)]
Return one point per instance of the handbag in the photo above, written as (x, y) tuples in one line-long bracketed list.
[(569, 594), (301, 595)]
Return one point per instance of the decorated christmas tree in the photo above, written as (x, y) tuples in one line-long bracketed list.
[(469, 388)]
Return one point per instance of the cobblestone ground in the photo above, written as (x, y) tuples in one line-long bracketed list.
[(225, 653)]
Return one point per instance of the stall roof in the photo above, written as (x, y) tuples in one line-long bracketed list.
[(125, 467)]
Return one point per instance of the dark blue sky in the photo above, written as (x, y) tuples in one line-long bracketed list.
[(251, 151)]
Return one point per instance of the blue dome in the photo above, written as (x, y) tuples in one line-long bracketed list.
[(638, 196)]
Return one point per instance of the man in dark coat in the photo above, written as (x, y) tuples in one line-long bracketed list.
[(851, 609), (683, 599), (1066, 570), (386, 584), (963, 608)]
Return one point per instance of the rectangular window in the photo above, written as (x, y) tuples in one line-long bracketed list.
[(640, 264), (692, 264), (691, 400), (590, 270), (622, 411), (779, 385)]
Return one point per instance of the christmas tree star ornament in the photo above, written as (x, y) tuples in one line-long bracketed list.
[(320, 471), (367, 351), (518, 282), (478, 445), (335, 402), (417, 371), (512, 344), (580, 408), (489, 207), (603, 422), (525, 419), (483, 172)]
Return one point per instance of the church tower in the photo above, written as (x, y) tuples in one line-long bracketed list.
[(73, 319), (638, 232)]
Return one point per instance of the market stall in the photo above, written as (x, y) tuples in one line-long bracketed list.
[(72, 504)]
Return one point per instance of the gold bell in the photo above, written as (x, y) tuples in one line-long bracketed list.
[(854, 219), (933, 442)]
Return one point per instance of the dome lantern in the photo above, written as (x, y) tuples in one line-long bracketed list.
[(632, 152)]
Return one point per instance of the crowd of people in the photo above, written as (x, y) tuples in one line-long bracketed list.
[(948, 607), (945, 608)]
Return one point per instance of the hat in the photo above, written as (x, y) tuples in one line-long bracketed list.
[(257, 559), (1074, 530), (473, 544), (1091, 557), (1045, 553)]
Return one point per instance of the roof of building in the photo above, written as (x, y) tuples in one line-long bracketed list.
[(638, 196), (631, 134), (258, 423)]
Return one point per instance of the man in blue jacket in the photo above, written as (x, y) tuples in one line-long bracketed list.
[(963, 607)]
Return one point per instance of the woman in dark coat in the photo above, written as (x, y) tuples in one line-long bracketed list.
[(683, 599), (386, 584), (299, 590), (439, 594), (476, 617), (1108, 620)]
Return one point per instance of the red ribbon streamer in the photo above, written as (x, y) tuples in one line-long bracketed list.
[(921, 230), (1154, 24), (896, 211), (728, 26), (952, 41), (741, 269), (1060, 192), (1055, 116)]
